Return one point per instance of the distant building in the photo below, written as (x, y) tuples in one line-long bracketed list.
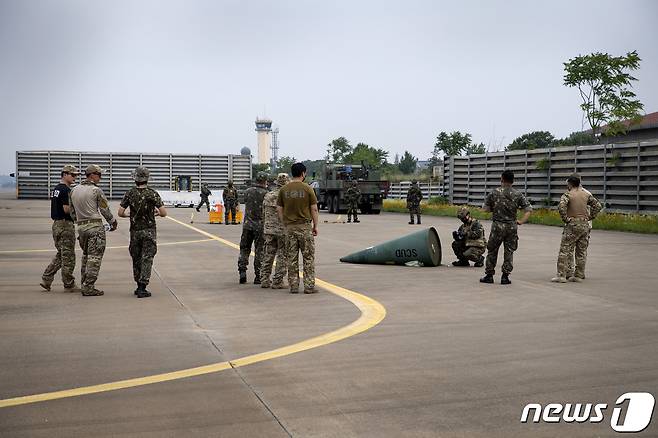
[(647, 129)]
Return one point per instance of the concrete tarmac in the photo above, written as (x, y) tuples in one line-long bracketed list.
[(452, 358)]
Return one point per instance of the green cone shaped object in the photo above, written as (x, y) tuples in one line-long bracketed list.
[(423, 246)]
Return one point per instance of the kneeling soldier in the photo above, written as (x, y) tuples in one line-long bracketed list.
[(469, 243)]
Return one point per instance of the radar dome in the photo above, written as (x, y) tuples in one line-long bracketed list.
[(245, 151)]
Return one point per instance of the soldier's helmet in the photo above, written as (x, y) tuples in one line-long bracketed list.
[(93, 168), (70, 169), (261, 177), (413, 181), (141, 174), (463, 213), (282, 179)]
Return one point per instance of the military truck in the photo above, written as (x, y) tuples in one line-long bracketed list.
[(334, 180)]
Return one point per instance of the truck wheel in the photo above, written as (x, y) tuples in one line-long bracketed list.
[(334, 204), (373, 211)]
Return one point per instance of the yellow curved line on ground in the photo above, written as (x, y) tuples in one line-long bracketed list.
[(182, 242), (372, 313)]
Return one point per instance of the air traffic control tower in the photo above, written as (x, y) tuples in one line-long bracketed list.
[(264, 130)]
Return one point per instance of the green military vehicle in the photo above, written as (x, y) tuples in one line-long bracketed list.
[(334, 180)]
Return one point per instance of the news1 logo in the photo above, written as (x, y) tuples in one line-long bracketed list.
[(633, 416)]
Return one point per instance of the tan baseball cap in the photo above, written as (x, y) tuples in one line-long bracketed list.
[(93, 168), (71, 169), (282, 179)]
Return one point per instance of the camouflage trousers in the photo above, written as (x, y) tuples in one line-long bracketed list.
[(248, 238), (414, 210), (463, 252), (300, 238), (502, 233), (275, 247), (92, 241), (64, 238), (232, 208), (575, 240), (143, 247), (352, 209), (204, 201)]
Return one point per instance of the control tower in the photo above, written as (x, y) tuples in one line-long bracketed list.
[(264, 137)]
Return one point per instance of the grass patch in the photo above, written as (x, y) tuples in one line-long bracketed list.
[(636, 223)]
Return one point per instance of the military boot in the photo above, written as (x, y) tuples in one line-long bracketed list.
[(504, 279), (411, 222), (461, 262), (93, 292), (349, 218), (72, 288), (418, 220), (46, 285), (243, 277), (487, 279), (278, 285), (480, 262), (142, 292), (257, 279), (356, 219)]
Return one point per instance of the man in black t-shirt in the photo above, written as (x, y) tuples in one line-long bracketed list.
[(63, 232)]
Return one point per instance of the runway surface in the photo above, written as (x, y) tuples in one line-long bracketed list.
[(451, 358)]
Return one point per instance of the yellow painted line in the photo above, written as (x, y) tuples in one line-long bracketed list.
[(372, 313), (183, 242)]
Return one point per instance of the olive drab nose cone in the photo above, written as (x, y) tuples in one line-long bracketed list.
[(423, 246)]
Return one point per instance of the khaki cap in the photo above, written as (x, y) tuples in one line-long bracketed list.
[(69, 168), (93, 168), (282, 179)]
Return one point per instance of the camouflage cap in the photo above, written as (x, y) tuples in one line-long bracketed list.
[(141, 174), (71, 169), (93, 168), (282, 179), (261, 177), (573, 175), (463, 213)]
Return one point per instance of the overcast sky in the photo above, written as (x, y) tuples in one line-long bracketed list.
[(192, 75)]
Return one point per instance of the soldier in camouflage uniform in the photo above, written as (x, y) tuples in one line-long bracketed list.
[(205, 193), (87, 200), (504, 202), (252, 229), (297, 207), (469, 242), (63, 232), (230, 199), (275, 239), (144, 204), (353, 197), (414, 196), (577, 208)]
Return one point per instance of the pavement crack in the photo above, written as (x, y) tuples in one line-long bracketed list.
[(188, 311), (260, 399)]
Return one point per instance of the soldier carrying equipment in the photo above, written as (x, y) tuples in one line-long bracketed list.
[(252, 230), (205, 193)]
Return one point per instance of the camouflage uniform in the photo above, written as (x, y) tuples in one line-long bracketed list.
[(575, 236), (63, 236), (275, 239), (414, 196), (87, 200), (504, 201), (353, 197), (230, 199), (205, 193), (252, 229), (472, 243), (300, 238), (142, 203)]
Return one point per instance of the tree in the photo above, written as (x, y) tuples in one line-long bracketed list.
[(532, 140), (371, 156), (473, 149), (255, 168), (338, 149), (577, 139), (285, 163), (604, 83), (408, 163), (454, 143)]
